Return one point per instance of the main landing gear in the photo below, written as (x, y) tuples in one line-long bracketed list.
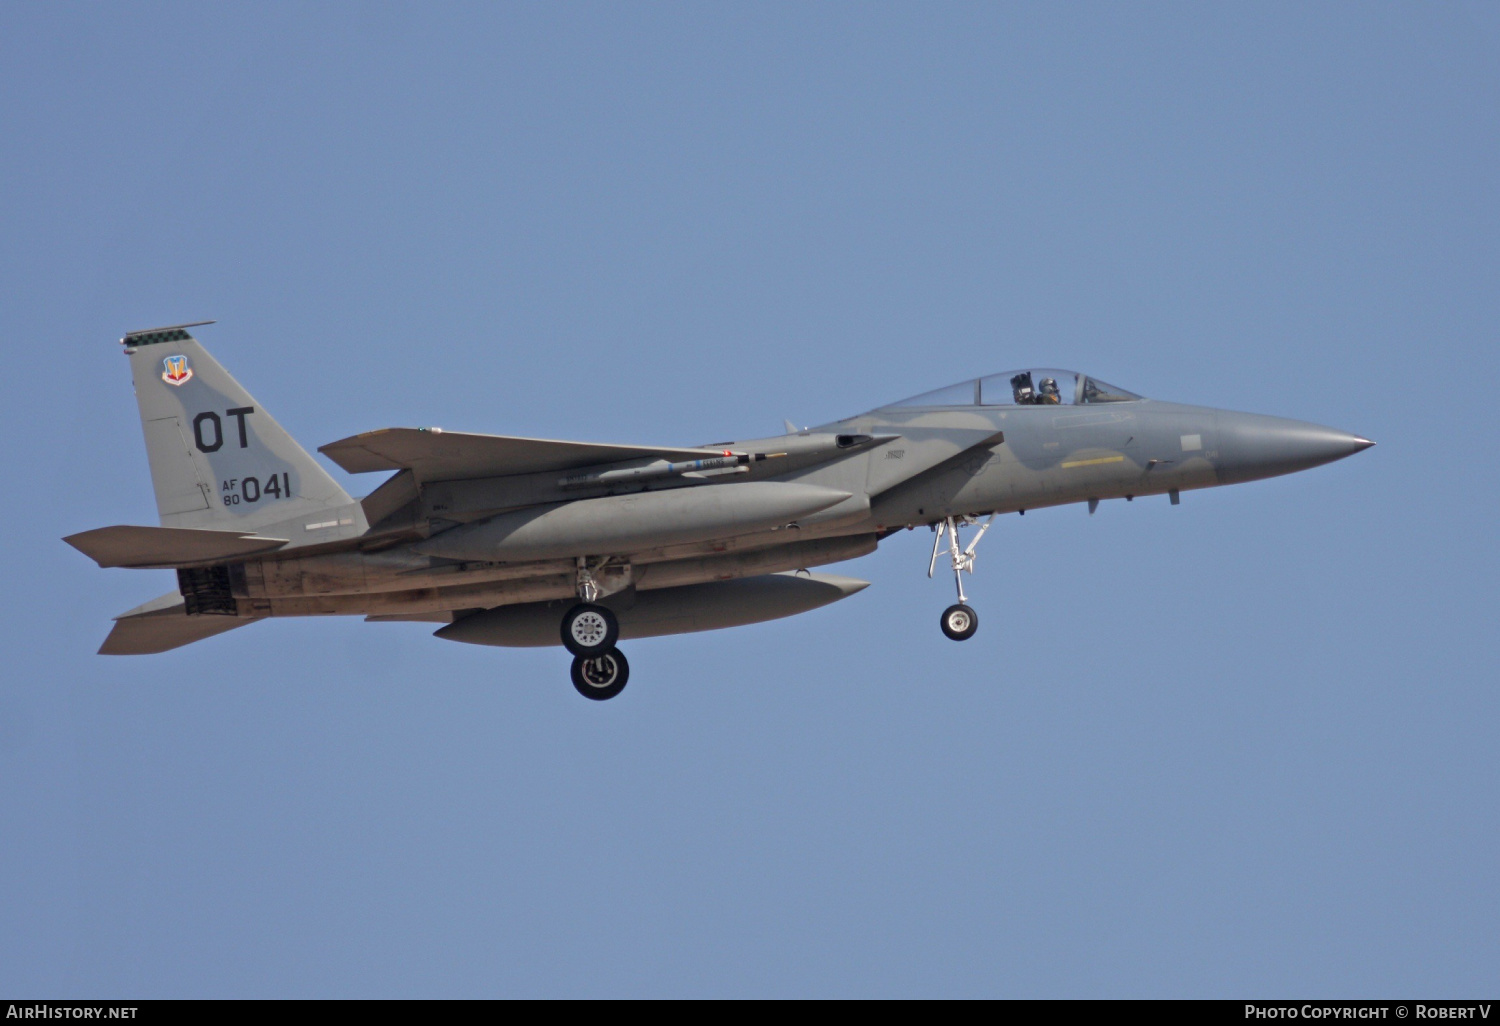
[(959, 622), (601, 676), (590, 631)]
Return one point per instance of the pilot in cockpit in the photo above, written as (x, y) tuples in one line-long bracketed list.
[(1047, 394)]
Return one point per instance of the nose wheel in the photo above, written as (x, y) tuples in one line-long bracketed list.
[(959, 621)]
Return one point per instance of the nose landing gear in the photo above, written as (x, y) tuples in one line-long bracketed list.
[(959, 622)]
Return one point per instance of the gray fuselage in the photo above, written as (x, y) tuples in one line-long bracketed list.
[(918, 466)]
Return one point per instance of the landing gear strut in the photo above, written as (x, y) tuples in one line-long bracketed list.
[(959, 622)]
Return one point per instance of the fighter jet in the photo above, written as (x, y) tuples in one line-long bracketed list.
[(529, 541)]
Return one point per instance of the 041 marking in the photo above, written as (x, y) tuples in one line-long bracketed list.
[(250, 489)]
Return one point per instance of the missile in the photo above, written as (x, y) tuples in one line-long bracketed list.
[(694, 607), (622, 524), (799, 451), (729, 463)]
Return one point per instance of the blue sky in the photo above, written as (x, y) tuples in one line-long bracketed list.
[(1245, 745)]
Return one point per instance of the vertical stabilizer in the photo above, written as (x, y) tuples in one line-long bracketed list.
[(218, 459)]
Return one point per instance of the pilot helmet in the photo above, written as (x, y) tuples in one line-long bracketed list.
[(1049, 386)]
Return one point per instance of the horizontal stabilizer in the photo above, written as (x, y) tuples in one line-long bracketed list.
[(434, 455), (165, 547), (163, 624)]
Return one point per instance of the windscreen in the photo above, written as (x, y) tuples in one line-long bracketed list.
[(1035, 387)]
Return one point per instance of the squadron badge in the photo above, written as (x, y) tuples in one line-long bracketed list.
[(176, 370)]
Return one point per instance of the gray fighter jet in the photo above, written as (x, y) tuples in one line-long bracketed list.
[(529, 541)]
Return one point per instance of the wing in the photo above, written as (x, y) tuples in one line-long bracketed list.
[(435, 455)]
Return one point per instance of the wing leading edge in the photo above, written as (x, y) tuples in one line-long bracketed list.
[(436, 455)]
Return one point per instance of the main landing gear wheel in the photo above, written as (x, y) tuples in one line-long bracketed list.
[(960, 622), (601, 676), (589, 629)]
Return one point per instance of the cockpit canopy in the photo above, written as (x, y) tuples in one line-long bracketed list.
[(1035, 387)]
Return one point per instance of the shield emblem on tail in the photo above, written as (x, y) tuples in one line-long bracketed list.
[(176, 370)]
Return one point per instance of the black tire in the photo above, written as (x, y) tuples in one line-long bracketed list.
[(959, 622), (601, 676), (589, 629)]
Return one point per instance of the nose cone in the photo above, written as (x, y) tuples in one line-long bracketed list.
[(1252, 446)]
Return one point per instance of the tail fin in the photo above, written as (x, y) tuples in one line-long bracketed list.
[(218, 459)]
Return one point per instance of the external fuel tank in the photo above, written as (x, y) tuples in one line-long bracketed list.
[(696, 607)]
